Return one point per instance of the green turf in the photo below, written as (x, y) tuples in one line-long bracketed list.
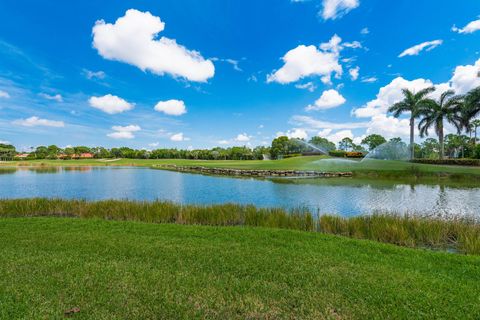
[(297, 163), (128, 270)]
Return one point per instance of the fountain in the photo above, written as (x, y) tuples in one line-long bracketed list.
[(391, 150), (311, 146)]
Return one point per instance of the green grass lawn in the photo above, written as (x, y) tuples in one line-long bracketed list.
[(297, 163), (131, 270)]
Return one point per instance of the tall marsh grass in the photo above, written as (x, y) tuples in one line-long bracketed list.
[(458, 234)]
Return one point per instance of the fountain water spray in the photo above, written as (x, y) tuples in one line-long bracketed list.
[(314, 147), (391, 150)]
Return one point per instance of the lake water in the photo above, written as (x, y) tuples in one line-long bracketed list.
[(336, 196)]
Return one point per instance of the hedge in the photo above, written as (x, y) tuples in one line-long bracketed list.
[(456, 162)]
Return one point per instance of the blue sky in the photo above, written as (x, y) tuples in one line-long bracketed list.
[(170, 73)]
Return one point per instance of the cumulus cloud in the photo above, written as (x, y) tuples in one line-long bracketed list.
[(124, 132), (110, 104), (305, 61), (471, 27), (133, 39), (354, 73), (171, 107), (55, 97), (178, 137), (328, 100), (390, 94), (315, 124), (465, 78), (333, 9), (242, 137), (38, 122), (415, 50), (4, 142), (297, 133), (4, 94)]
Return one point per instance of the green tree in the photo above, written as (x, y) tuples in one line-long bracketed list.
[(7, 152), (435, 112), (322, 143), (373, 141), (411, 103), (475, 124), (346, 144), (279, 147)]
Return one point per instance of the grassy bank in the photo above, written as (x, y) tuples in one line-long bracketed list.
[(461, 235), (369, 168), (130, 270)]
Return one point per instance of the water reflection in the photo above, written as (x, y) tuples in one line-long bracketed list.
[(346, 196)]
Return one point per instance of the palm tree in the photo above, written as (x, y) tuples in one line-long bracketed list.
[(472, 102), (434, 113), (412, 102), (475, 124)]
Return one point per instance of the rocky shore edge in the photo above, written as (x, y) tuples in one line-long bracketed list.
[(253, 173)]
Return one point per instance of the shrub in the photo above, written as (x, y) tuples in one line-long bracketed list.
[(337, 153), (476, 152), (456, 162), (354, 154)]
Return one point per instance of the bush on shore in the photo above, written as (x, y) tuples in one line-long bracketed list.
[(456, 162), (459, 234)]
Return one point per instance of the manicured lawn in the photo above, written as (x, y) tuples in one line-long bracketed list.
[(129, 270), (318, 163)]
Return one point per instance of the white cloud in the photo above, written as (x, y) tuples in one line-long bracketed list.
[(305, 61), (471, 27), (314, 124), (364, 31), (4, 94), (369, 79), (94, 74), (466, 78), (390, 94), (297, 133), (310, 86), (352, 45), (4, 142), (389, 126), (55, 97), (133, 40), (179, 137), (354, 73), (333, 9), (171, 107), (242, 137), (110, 104), (338, 136), (415, 50), (36, 121), (154, 144), (223, 142), (124, 132), (328, 100)]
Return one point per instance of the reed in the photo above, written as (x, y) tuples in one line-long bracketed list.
[(458, 234)]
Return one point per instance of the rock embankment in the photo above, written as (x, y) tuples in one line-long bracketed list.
[(254, 173)]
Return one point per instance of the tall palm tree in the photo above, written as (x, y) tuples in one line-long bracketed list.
[(412, 102), (434, 112), (475, 125)]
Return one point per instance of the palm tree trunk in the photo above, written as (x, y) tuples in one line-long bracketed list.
[(475, 141), (440, 139), (412, 137)]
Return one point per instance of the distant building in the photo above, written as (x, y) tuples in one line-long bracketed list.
[(22, 155)]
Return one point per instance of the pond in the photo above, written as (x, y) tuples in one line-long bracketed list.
[(343, 196)]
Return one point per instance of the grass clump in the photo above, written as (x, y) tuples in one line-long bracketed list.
[(457, 234)]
